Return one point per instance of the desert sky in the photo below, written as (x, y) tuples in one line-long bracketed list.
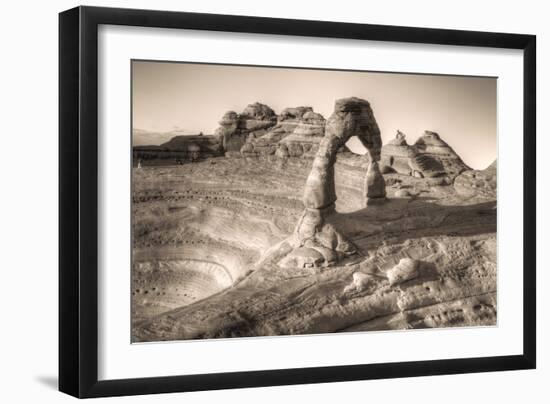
[(184, 98)]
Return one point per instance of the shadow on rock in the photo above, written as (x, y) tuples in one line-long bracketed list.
[(402, 219)]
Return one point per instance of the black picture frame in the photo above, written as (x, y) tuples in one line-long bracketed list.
[(78, 201)]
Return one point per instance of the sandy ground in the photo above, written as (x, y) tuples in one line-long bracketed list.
[(201, 230)]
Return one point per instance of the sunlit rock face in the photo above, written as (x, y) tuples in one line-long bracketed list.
[(235, 128), (429, 157), (396, 154), (435, 157), (297, 133), (306, 136), (351, 117)]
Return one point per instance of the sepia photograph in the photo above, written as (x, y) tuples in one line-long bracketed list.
[(279, 201)]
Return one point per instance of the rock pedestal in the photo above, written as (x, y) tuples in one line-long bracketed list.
[(320, 188), (375, 185)]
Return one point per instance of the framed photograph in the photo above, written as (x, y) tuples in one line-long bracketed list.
[(252, 201)]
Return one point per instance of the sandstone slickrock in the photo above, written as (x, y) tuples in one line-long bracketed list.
[(405, 270), (162, 285), (226, 248), (228, 214), (402, 193), (352, 117), (282, 152), (478, 182)]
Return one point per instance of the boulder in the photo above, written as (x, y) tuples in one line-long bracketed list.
[(405, 270), (302, 257), (258, 111), (360, 282), (294, 113)]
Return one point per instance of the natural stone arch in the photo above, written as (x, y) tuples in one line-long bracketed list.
[(351, 117), (315, 241)]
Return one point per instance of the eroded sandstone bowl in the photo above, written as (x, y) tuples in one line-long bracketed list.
[(159, 286)]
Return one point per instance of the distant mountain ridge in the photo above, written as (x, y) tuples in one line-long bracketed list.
[(142, 137)]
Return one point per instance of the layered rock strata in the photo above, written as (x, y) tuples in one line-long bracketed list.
[(395, 155), (298, 132), (429, 157), (435, 157), (235, 128)]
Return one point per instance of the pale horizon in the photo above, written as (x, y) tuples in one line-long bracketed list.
[(171, 98)]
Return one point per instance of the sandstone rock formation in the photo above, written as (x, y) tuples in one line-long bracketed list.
[(478, 182), (200, 233), (315, 241), (435, 157), (395, 155), (306, 136), (375, 185), (252, 122), (298, 132), (258, 131), (351, 117), (429, 157)]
